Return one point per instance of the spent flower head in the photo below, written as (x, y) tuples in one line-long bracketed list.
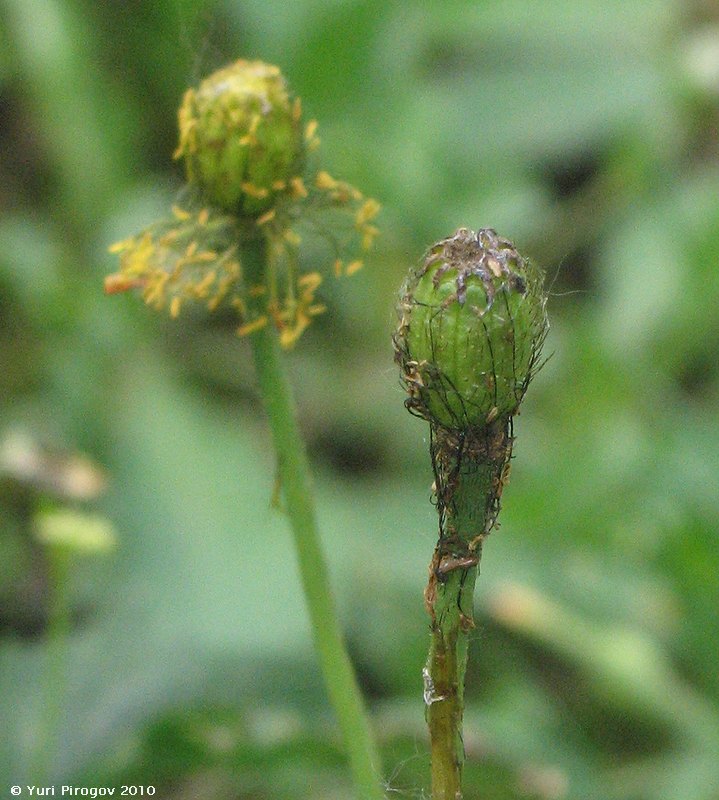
[(241, 136), (249, 179)]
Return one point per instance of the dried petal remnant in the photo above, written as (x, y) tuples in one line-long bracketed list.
[(191, 257)]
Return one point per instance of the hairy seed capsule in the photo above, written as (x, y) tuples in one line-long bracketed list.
[(241, 137), (472, 323)]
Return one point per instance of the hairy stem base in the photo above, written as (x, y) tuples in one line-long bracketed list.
[(470, 470)]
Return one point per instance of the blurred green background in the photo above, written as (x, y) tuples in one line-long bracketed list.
[(586, 132)]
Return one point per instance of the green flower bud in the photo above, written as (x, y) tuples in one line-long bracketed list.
[(472, 323), (241, 137)]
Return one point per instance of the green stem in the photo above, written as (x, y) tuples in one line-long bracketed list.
[(55, 678), (470, 468), (294, 476)]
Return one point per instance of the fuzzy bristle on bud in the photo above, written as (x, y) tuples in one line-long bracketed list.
[(472, 323), (241, 137)]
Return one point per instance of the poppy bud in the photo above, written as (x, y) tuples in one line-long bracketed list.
[(472, 323)]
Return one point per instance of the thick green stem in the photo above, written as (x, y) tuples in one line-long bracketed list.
[(470, 469), (294, 476)]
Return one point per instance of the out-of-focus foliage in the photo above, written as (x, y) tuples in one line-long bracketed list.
[(586, 132)]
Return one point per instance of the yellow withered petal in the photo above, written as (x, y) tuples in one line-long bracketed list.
[(311, 129), (299, 190), (368, 211), (251, 327), (325, 181), (268, 216)]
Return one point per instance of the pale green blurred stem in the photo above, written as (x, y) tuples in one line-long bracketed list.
[(469, 468), (55, 673), (297, 494)]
